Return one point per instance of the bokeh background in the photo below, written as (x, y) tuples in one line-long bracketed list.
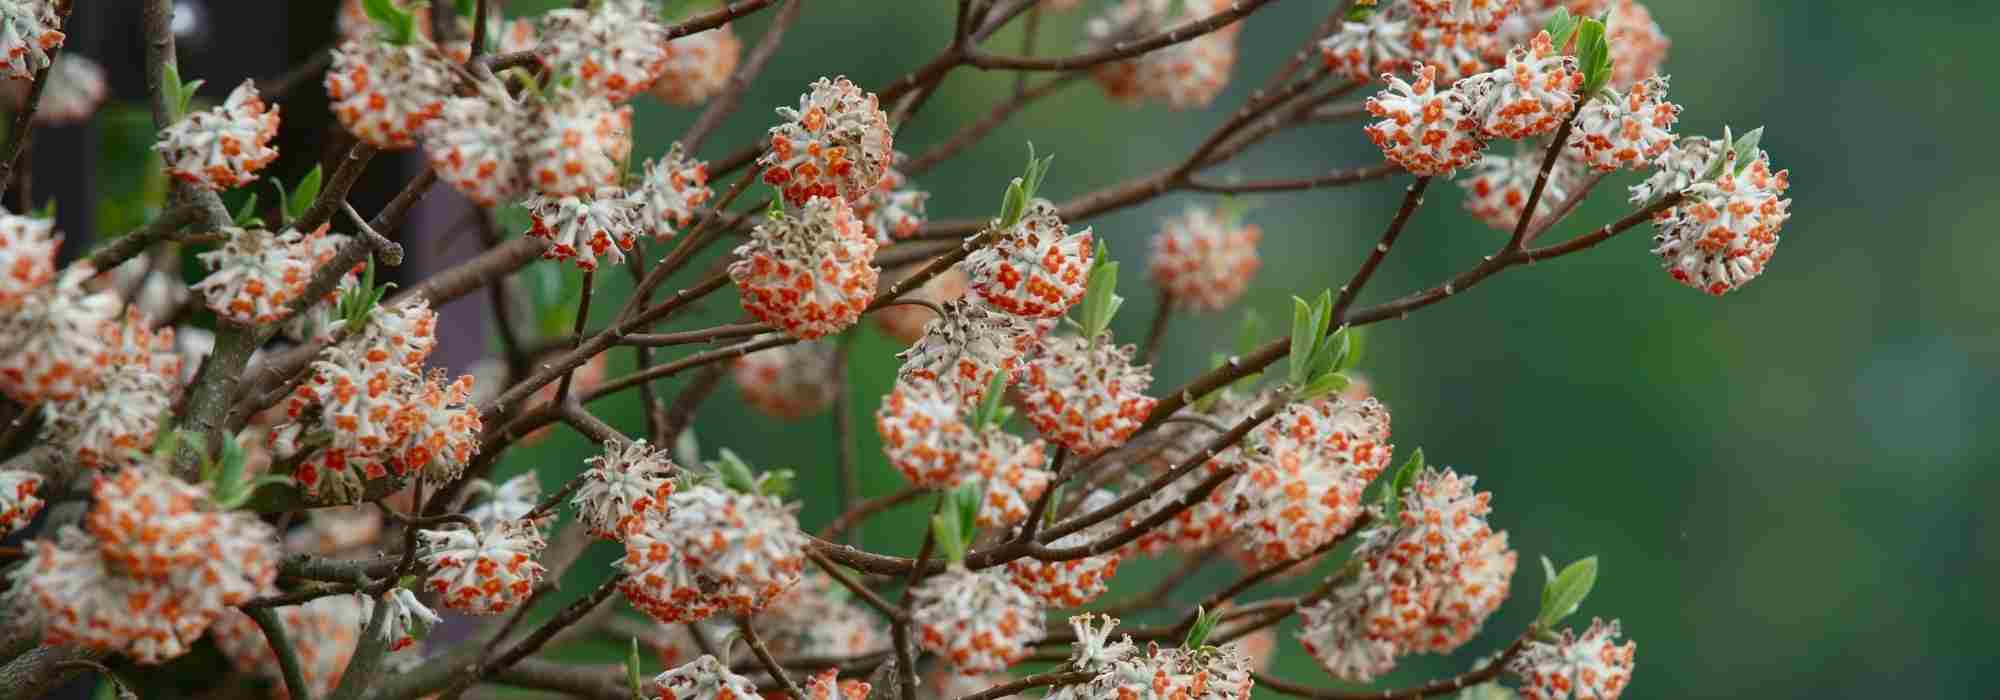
[(1784, 485)]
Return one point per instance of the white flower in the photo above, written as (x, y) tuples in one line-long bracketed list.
[(966, 348), (224, 147), (670, 191), (1588, 667), (703, 679), (408, 618), (28, 35), (1631, 129), (836, 144), (604, 224), (977, 620), (713, 549), (616, 48), (133, 393), (27, 256), (52, 345), (18, 503)]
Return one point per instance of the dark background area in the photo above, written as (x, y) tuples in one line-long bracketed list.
[(1783, 485)]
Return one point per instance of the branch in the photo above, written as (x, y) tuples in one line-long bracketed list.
[(1435, 688), (764, 656), (281, 646), (722, 104), (1051, 679), (1122, 50)]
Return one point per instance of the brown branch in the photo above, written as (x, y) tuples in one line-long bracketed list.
[(1332, 178), (764, 656), (874, 600), (1122, 50), (1556, 145), (582, 319), (1432, 689), (1014, 687), (854, 516)]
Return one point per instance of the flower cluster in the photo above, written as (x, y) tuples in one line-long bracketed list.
[(1037, 268), (1426, 130), (53, 340), (622, 487), (789, 382), (615, 48), (698, 66), (1302, 475), (75, 89), (134, 390), (1203, 260), (383, 92), (1425, 586), (1182, 75), (1084, 394), (1632, 129), (1124, 670), (837, 144), (584, 228), (256, 276), (1591, 666), (1497, 188), (224, 147), (978, 621), (712, 549), (483, 571), (702, 679), (27, 257), (893, 210), (808, 272), (670, 191), (1072, 583), (967, 347), (373, 412), (155, 570), (928, 437), (1723, 234)]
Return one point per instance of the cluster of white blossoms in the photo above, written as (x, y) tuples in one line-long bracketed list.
[(789, 381), (626, 484), (809, 271), (1182, 75), (224, 147), (1302, 475), (979, 621), (369, 413), (30, 32), (711, 548), (1424, 584), (486, 570), (152, 567), (1203, 260), (1122, 669)]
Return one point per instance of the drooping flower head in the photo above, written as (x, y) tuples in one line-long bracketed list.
[(1529, 96), (615, 48), (808, 272), (384, 92), (1075, 582), (486, 571), (670, 191), (256, 274), (1497, 188), (1426, 130), (1084, 395), (1358, 630), (702, 679), (1303, 474), (1037, 268), (409, 618), (714, 549), (1471, 594), (978, 621), (626, 484), (224, 147), (837, 144), (1013, 470), (966, 348), (894, 209), (156, 569), (1591, 666), (30, 30), (1721, 237), (579, 142), (134, 391), (1443, 520), (1363, 50), (923, 429), (474, 144), (789, 382), (27, 256), (698, 66), (584, 228), (1638, 47), (1630, 129), (52, 345), (1203, 261)]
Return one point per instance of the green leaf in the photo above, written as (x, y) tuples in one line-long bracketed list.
[(967, 498), (735, 472), (170, 87), (1100, 298), (1304, 338), (1204, 623), (1322, 385), (302, 196), (1355, 345), (1567, 592), (1391, 498), (1593, 56), (1548, 581), (1745, 148), (229, 479), (632, 675), (399, 26), (1560, 26), (246, 215), (1013, 203), (944, 529), (1359, 12), (776, 483), (47, 211)]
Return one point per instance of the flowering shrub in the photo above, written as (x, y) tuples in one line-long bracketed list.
[(317, 495)]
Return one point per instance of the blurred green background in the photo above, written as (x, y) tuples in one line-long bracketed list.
[(1782, 484)]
